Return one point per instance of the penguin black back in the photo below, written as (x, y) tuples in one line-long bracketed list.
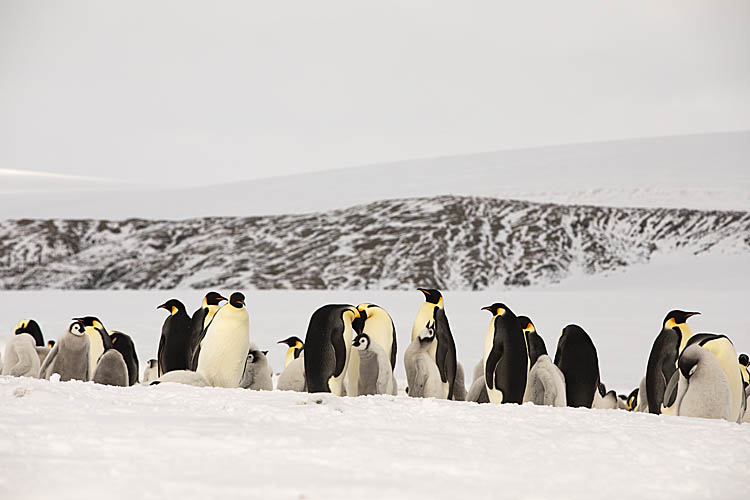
[(507, 362), (534, 341), (125, 346), (175, 338), (32, 328), (198, 323), (445, 355), (325, 348), (576, 357)]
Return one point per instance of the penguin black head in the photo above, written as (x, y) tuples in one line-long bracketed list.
[(77, 328), (427, 334), (497, 309), (213, 299), (32, 328), (677, 317), (92, 321), (237, 300), (361, 342), (173, 306), (265, 353), (526, 324), (292, 341), (744, 360), (431, 295), (50, 343), (152, 363), (688, 363), (632, 400)]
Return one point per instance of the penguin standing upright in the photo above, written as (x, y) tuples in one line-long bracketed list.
[(534, 342), (380, 329), (662, 360), (99, 339), (376, 375), (295, 345), (577, 359), (32, 328), (222, 352), (431, 314), (125, 346), (505, 356), (293, 376), (258, 375), (199, 322), (744, 362), (21, 359), (151, 372), (546, 384), (422, 373), (175, 338), (327, 348), (69, 358)]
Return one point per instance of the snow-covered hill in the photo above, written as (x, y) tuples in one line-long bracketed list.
[(453, 243), (710, 171)]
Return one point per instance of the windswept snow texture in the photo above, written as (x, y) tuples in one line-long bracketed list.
[(82, 441), (451, 243)]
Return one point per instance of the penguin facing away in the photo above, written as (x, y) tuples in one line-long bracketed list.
[(379, 326), (703, 389), (223, 351), (174, 343), (257, 375), (546, 384), (376, 373), (293, 376), (151, 372), (200, 320), (577, 360), (69, 358), (431, 314), (99, 339), (478, 391), (422, 374), (125, 346), (662, 360), (505, 356), (32, 328), (111, 369), (21, 358), (295, 346), (328, 346)]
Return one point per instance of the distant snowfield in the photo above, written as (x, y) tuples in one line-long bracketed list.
[(708, 171)]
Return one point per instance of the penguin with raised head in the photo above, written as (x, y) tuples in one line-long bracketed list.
[(125, 346), (258, 375), (222, 352), (431, 314), (111, 369), (174, 343), (328, 346), (151, 372), (505, 356), (577, 360), (99, 339), (32, 328), (295, 346), (376, 373), (662, 360), (293, 376), (378, 324), (69, 358), (422, 374), (21, 359), (534, 342), (199, 322)]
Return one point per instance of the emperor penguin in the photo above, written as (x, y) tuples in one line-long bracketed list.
[(69, 358), (534, 342), (505, 356), (111, 369), (376, 372), (459, 385), (442, 351), (125, 346), (328, 346), (546, 384), (662, 361), (223, 351), (50, 343), (99, 339), (185, 377), (703, 389), (199, 322), (21, 358), (174, 350), (478, 391), (151, 372), (422, 374), (295, 346), (577, 360), (744, 361), (257, 375), (378, 324), (293, 376), (632, 400), (32, 328)]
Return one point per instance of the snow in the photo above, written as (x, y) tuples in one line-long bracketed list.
[(649, 172)]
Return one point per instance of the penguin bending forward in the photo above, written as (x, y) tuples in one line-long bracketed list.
[(125, 346), (431, 315), (577, 360), (174, 344), (505, 356), (328, 345), (378, 324), (375, 371), (32, 328), (69, 358), (546, 384), (111, 369), (703, 390)]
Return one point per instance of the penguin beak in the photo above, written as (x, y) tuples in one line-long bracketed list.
[(221, 299), (687, 315), (487, 308), (425, 292), (163, 306)]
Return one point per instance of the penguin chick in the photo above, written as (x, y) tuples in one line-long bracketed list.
[(70, 356), (185, 377), (125, 345), (703, 389), (478, 391), (375, 371), (459, 386), (546, 384), (642, 405), (42, 352), (606, 402), (111, 369), (258, 375), (293, 376), (32, 328), (151, 372), (422, 374), (478, 371), (21, 358)]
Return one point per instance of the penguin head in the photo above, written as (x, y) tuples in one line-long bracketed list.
[(677, 317), (744, 360), (526, 325), (91, 322), (432, 296), (632, 400), (292, 342), (77, 328), (173, 306), (497, 309), (21, 326), (31, 327), (237, 300), (152, 363), (689, 359), (361, 342), (213, 299), (50, 343), (251, 357), (428, 333)]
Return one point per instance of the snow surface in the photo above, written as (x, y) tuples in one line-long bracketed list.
[(708, 171)]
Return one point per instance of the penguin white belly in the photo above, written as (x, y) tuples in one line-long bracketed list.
[(725, 354), (224, 351), (96, 349), (336, 384), (289, 357), (494, 395)]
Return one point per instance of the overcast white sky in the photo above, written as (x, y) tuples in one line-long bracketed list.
[(178, 92)]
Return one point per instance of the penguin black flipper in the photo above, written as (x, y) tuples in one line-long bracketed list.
[(160, 356), (339, 346), (491, 373), (393, 347), (197, 332), (670, 393), (661, 367), (446, 350), (106, 339)]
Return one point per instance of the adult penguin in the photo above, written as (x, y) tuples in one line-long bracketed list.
[(535, 347), (201, 319), (577, 360), (328, 346), (99, 339), (505, 356), (32, 328), (378, 325), (125, 346), (174, 343), (662, 361), (431, 314), (744, 361), (295, 346), (222, 352)]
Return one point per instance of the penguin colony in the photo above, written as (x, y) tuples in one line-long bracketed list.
[(352, 350)]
